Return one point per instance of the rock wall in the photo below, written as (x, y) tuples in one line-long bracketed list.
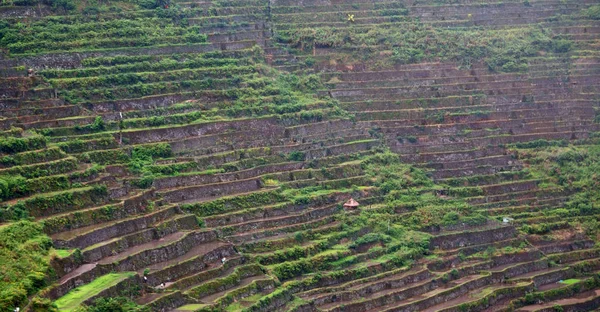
[(169, 302), (456, 240), (181, 181), (205, 192), (191, 266), (126, 288), (143, 236), (147, 257)]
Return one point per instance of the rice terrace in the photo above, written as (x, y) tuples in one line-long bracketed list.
[(299, 155)]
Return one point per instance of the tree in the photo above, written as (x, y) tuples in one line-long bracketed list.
[(163, 3), (66, 5)]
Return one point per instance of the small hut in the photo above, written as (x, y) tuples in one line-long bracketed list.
[(351, 204)]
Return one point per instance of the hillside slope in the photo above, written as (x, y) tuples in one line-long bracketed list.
[(196, 155)]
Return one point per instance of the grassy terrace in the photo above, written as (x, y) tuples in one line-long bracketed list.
[(152, 139), (78, 295)]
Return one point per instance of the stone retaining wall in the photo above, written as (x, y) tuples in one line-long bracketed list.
[(69, 60), (118, 229), (147, 257), (456, 240), (190, 266)]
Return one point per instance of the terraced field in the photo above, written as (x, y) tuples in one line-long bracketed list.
[(196, 155)]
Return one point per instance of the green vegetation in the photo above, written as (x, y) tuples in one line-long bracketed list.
[(236, 130), (25, 254), (13, 145), (61, 253), (54, 202), (54, 34), (191, 307), (76, 297), (592, 12), (502, 50), (571, 281), (12, 186), (118, 304)]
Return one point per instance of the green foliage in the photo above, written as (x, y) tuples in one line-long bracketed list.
[(98, 124), (131, 29), (540, 143), (144, 155), (558, 308), (407, 55), (65, 5), (543, 228), (560, 45), (148, 4), (57, 202), (27, 158), (412, 42), (225, 204), (593, 12), (12, 186), (76, 297), (558, 293), (13, 145), (391, 175), (291, 269), (24, 254), (39, 304), (574, 168), (220, 284), (160, 150), (143, 182), (370, 238), (406, 200), (80, 146), (105, 157), (296, 156), (450, 218), (117, 304)]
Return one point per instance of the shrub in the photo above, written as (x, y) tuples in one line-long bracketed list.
[(541, 143), (592, 12), (451, 218), (12, 186), (558, 308), (39, 304), (118, 304), (309, 61), (406, 55), (296, 156), (474, 219), (292, 269), (160, 150), (65, 5), (147, 4), (13, 145), (98, 124), (24, 260), (561, 46)]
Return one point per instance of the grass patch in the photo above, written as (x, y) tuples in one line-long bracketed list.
[(191, 307), (570, 281), (62, 253), (240, 305), (77, 296)]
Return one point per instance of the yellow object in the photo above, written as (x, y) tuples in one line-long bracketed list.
[(470, 15), (351, 18)]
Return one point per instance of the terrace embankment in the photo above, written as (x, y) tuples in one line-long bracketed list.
[(196, 156)]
